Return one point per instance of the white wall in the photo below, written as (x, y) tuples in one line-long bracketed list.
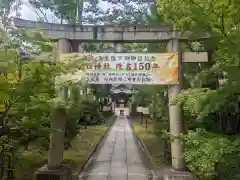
[(126, 111)]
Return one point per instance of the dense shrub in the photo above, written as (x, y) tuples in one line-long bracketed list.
[(212, 156)]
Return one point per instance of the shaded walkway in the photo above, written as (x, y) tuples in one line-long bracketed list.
[(119, 157)]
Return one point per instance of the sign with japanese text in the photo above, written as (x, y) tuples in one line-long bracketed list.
[(128, 68)]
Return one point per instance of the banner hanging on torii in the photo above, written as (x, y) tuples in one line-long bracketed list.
[(128, 68)]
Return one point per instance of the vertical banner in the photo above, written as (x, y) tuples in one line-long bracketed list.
[(128, 68)]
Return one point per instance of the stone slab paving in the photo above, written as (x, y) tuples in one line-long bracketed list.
[(119, 157)]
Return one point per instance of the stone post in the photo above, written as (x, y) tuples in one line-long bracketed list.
[(130, 107), (64, 46), (113, 106), (118, 46), (175, 116), (55, 169)]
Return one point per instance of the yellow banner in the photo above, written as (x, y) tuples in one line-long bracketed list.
[(128, 68)]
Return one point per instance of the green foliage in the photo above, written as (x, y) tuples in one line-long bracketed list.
[(62, 9), (28, 93), (207, 102), (212, 156), (90, 111), (90, 11), (155, 98)]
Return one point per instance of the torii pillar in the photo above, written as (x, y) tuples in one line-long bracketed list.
[(175, 114), (55, 169), (178, 170)]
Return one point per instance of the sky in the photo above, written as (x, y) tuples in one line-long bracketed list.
[(28, 13)]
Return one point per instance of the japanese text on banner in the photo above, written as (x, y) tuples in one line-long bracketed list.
[(129, 68)]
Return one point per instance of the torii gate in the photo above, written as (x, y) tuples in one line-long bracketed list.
[(70, 36)]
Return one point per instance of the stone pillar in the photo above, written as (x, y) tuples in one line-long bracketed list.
[(113, 106), (81, 47), (64, 46), (130, 108), (118, 46), (56, 148), (175, 116), (55, 169)]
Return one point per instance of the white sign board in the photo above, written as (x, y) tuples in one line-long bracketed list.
[(145, 110), (195, 57), (106, 108), (139, 109), (128, 68)]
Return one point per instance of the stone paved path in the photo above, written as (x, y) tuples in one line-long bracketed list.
[(119, 157)]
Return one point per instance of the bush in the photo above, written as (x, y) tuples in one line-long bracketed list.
[(211, 156), (82, 112), (90, 112)]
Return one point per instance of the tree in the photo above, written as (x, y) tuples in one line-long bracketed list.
[(220, 20), (90, 11), (211, 106), (28, 91), (8, 6)]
